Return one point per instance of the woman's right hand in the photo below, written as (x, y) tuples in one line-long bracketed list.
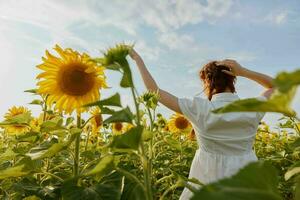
[(235, 69)]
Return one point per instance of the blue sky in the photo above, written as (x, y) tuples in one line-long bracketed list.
[(175, 38)]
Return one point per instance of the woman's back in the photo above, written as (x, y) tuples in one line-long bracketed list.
[(225, 140), (230, 133)]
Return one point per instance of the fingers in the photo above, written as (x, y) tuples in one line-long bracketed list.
[(228, 72), (227, 62)]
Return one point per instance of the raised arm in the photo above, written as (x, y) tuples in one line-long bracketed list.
[(166, 98), (237, 70)]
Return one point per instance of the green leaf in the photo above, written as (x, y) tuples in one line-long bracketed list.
[(69, 120), (115, 66), (290, 173), (33, 91), (9, 154), (295, 144), (106, 110), (28, 137), (52, 125), (258, 180), (36, 102), (147, 135), (114, 100), (129, 140), (297, 190), (55, 148), (173, 143), (279, 103), (124, 115), (287, 80), (105, 166), (13, 172), (132, 190), (109, 188), (126, 80)]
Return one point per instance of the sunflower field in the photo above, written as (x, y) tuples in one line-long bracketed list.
[(84, 146)]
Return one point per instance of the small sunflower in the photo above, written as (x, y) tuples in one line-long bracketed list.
[(116, 54), (96, 120), (121, 127), (13, 112), (128, 126), (178, 124), (71, 80), (150, 99), (161, 122), (35, 124), (118, 128), (298, 126)]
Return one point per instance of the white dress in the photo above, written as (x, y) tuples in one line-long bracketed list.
[(225, 140)]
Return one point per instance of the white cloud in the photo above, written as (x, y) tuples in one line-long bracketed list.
[(176, 41), (149, 52), (241, 56), (169, 16), (172, 15), (277, 18)]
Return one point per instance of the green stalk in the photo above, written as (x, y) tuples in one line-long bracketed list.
[(295, 124), (144, 159), (87, 140), (136, 106), (150, 148), (77, 148), (45, 108)]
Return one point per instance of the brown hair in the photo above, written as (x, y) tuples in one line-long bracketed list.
[(216, 81)]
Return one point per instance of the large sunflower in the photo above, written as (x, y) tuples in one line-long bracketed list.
[(16, 129), (71, 80), (179, 124)]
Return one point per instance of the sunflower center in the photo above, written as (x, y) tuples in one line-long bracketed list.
[(181, 123), (75, 81), (118, 126), (98, 120)]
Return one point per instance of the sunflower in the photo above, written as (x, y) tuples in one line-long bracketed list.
[(116, 54), (192, 135), (121, 127), (298, 126), (35, 124), (16, 128), (178, 123), (71, 80), (161, 122), (118, 128), (96, 120), (128, 126)]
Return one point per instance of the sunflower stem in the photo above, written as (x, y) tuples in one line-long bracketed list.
[(87, 140), (45, 108), (77, 148), (144, 158), (150, 147), (136, 107)]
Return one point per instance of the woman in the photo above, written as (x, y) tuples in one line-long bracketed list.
[(225, 140)]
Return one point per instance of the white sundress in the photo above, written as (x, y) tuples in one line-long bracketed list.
[(225, 140)]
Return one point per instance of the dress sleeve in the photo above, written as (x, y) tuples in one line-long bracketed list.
[(191, 108), (260, 115)]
